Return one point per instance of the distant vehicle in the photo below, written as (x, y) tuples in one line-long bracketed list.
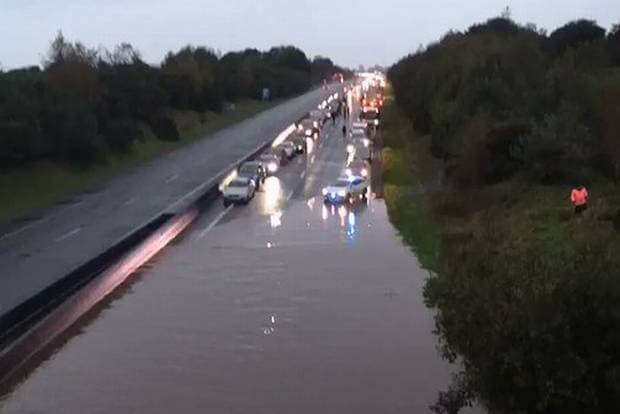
[(370, 115), (300, 144), (272, 162), (319, 116), (358, 133), (357, 167), (361, 148), (253, 170), (289, 149), (310, 128), (279, 152), (326, 111), (345, 190), (239, 190)]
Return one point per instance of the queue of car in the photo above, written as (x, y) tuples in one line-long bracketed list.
[(249, 176), (353, 183)]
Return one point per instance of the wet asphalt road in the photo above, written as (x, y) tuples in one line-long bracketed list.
[(280, 306), (41, 250)]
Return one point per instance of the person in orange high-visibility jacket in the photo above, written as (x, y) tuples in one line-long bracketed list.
[(579, 197)]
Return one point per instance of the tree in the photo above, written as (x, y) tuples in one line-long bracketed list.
[(575, 33), (613, 44)]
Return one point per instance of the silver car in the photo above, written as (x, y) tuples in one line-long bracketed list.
[(239, 190)]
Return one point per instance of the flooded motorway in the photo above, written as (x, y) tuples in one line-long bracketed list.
[(281, 306)]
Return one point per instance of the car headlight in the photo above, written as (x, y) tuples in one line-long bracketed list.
[(308, 132), (350, 148), (272, 167), (341, 193), (325, 191), (348, 171), (364, 172), (366, 142), (316, 124)]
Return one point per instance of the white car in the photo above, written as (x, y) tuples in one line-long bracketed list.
[(357, 167), (289, 149), (345, 190), (239, 190), (271, 161)]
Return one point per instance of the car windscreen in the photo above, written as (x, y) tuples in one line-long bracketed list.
[(238, 183), (341, 183), (248, 169)]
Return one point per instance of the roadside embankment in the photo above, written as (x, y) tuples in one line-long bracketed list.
[(525, 291)]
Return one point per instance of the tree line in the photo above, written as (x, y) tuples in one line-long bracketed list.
[(82, 104), (528, 297), (503, 98)]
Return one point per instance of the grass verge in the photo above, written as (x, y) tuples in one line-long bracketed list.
[(404, 169), (26, 192)]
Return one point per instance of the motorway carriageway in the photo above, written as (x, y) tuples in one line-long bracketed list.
[(281, 306)]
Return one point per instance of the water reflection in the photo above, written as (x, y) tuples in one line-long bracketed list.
[(309, 145), (342, 212), (324, 212), (275, 219), (273, 192)]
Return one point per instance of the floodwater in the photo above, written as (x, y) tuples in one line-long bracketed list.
[(281, 306)]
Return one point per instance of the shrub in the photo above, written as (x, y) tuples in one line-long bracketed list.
[(165, 128), (120, 135)]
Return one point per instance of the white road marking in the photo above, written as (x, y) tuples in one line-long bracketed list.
[(289, 196), (24, 228), (214, 222), (303, 174), (172, 178), (131, 201), (67, 235), (39, 221)]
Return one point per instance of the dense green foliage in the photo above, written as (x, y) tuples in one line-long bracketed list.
[(84, 103), (502, 98), (527, 294)]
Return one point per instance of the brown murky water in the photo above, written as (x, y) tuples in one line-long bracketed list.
[(283, 306)]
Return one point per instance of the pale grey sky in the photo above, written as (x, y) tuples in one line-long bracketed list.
[(351, 32)]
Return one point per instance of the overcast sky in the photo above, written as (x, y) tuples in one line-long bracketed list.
[(351, 32)]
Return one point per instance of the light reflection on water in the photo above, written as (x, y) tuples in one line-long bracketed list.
[(273, 192)]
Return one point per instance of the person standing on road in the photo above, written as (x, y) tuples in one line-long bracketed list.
[(344, 131)]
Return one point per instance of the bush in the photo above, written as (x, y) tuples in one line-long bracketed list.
[(536, 325), (165, 128), (19, 142), (120, 135)]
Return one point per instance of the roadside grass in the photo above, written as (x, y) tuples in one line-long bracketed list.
[(543, 215), (514, 213), (28, 191), (408, 209)]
